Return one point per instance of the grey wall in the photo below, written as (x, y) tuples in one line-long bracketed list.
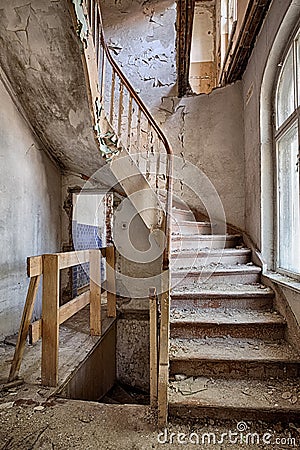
[(206, 130), (30, 209)]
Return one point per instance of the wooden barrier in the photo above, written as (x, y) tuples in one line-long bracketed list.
[(53, 315)]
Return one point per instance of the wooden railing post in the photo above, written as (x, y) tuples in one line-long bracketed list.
[(95, 293), (50, 320), (153, 347), (111, 282), (163, 360)]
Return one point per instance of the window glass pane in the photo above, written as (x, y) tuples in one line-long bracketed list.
[(286, 91), (288, 212)]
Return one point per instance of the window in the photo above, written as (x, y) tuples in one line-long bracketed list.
[(287, 106)]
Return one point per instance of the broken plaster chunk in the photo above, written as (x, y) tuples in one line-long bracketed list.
[(180, 377), (6, 405), (39, 408)]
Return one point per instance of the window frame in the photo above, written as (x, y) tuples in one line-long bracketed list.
[(278, 133)]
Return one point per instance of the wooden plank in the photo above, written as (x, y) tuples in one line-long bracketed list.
[(50, 315), (111, 282), (163, 395), (35, 331), (95, 290), (65, 312), (34, 266), (69, 259), (23, 330), (73, 306), (153, 347), (164, 329)]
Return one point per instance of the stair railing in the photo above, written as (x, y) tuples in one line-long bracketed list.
[(131, 127)]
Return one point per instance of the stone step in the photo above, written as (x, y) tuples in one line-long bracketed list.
[(234, 323), (244, 399), (253, 297), (180, 215), (242, 274), (191, 228), (204, 257), (233, 358), (201, 242)]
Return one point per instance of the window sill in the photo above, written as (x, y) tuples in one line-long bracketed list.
[(284, 281)]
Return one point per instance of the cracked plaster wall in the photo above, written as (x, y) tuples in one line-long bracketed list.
[(206, 130), (40, 55), (30, 210)]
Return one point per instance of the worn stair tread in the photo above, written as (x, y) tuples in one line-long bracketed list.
[(207, 237), (224, 316), (185, 253), (267, 395), (222, 290), (233, 349), (218, 269)]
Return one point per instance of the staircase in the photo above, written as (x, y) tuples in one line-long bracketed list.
[(228, 355)]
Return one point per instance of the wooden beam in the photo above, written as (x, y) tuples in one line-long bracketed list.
[(23, 330), (111, 282), (95, 289), (69, 259), (163, 395), (184, 28), (34, 266), (65, 312), (153, 347), (50, 314)]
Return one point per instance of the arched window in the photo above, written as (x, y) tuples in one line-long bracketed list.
[(287, 133)]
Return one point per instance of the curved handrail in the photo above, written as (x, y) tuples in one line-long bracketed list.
[(132, 91), (94, 27)]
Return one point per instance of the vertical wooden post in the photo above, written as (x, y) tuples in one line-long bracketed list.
[(163, 360), (23, 331), (153, 347), (95, 293), (50, 320), (111, 282)]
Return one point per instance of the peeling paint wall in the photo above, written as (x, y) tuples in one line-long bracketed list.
[(206, 130), (30, 210)]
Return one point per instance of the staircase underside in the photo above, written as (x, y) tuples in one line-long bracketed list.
[(41, 58)]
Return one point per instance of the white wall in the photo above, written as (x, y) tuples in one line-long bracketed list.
[(30, 209)]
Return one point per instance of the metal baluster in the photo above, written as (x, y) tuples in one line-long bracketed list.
[(148, 150), (129, 122), (92, 16), (96, 31), (102, 76), (138, 130), (112, 97), (120, 108)]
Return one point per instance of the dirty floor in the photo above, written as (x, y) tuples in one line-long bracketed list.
[(30, 420)]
